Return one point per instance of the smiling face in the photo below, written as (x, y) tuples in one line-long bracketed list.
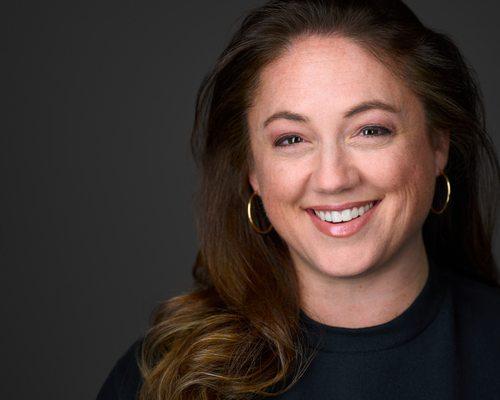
[(331, 127)]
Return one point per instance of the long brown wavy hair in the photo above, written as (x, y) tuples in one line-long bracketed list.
[(237, 334)]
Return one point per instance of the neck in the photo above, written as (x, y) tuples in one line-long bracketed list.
[(374, 297)]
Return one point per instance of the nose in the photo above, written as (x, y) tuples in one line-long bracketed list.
[(334, 170)]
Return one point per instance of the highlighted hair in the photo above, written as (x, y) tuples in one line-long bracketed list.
[(237, 334)]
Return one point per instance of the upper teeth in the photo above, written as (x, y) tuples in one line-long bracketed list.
[(343, 215)]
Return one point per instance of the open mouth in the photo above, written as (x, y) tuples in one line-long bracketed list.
[(351, 220), (342, 216)]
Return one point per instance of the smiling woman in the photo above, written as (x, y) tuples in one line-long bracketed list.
[(344, 94), (334, 260)]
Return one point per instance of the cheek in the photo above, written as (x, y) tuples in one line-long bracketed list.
[(281, 186), (406, 176)]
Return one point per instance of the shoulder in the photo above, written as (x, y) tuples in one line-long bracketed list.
[(474, 294), (473, 310), (123, 382), (476, 303)]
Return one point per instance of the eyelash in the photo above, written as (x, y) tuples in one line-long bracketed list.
[(386, 132)]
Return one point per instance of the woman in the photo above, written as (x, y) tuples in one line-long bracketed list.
[(335, 262)]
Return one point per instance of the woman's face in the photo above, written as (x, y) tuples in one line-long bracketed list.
[(332, 128)]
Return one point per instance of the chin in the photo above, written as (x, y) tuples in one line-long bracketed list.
[(345, 269)]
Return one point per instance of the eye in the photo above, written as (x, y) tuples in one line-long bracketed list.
[(375, 130), (288, 140)]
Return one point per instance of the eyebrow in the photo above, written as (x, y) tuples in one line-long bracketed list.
[(357, 109)]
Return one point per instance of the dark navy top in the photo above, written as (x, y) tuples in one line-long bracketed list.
[(445, 345)]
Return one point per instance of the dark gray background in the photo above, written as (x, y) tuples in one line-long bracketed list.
[(97, 224)]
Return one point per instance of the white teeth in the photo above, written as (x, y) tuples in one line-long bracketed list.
[(344, 215), (325, 216), (336, 216)]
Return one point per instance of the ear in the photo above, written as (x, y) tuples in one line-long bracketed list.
[(441, 150), (252, 178)]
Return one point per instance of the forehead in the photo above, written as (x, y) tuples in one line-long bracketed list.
[(320, 74)]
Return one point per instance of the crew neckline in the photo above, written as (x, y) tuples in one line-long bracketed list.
[(390, 334)]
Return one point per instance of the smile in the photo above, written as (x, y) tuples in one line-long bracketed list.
[(344, 215), (344, 222)]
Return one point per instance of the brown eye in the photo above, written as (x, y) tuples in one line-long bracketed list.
[(288, 141), (373, 131)]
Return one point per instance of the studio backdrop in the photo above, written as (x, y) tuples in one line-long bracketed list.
[(97, 178)]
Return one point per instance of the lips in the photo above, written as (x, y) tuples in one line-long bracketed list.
[(343, 229)]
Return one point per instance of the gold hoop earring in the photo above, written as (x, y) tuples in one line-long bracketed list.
[(252, 223), (448, 193)]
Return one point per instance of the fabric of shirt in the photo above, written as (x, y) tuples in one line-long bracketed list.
[(445, 345)]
